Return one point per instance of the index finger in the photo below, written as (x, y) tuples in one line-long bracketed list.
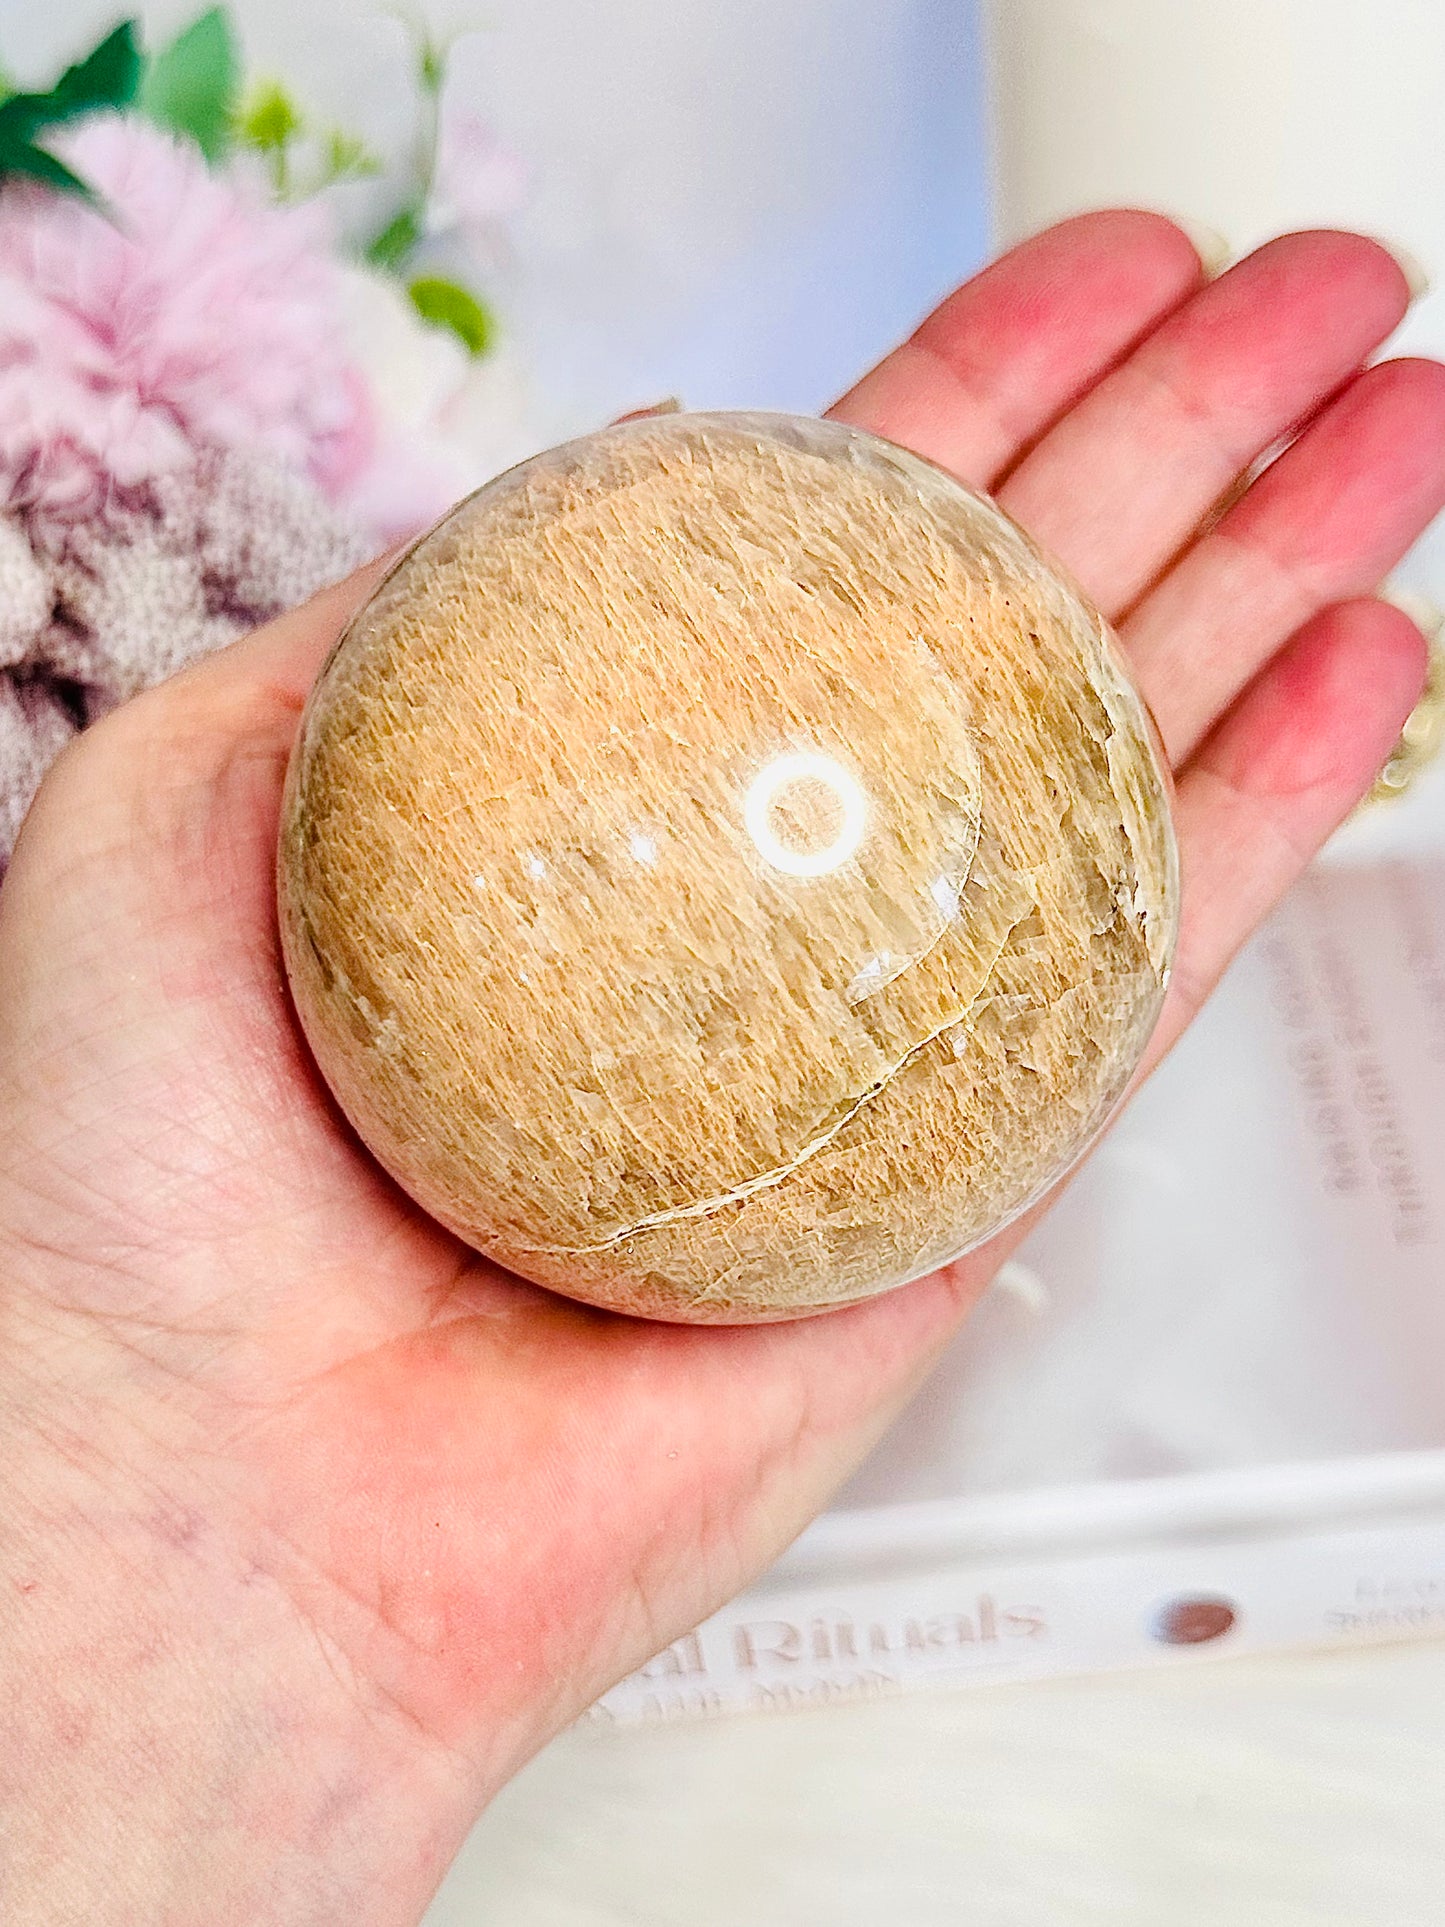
[(1007, 353)]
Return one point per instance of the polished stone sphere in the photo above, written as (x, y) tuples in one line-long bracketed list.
[(725, 870)]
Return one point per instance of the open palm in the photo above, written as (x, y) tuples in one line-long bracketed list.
[(405, 1514)]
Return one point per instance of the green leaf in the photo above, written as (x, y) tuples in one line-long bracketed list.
[(190, 86), (397, 239), (34, 164), (446, 304), (106, 78), (347, 159), (270, 119)]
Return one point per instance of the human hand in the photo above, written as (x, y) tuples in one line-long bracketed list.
[(317, 1524)]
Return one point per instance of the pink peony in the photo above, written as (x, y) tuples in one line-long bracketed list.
[(194, 315)]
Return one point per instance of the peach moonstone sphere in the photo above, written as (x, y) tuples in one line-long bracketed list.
[(725, 871)]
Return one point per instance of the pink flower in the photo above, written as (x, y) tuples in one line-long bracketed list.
[(479, 182), (194, 316)]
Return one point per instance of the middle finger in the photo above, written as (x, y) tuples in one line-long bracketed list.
[(1122, 481)]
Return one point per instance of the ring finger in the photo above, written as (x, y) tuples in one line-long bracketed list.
[(1323, 523)]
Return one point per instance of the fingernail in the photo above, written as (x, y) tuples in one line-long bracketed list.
[(1417, 277), (1213, 250), (1422, 735), (1023, 1283), (1427, 618), (669, 405)]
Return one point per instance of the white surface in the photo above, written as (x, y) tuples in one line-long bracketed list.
[(1302, 1792)]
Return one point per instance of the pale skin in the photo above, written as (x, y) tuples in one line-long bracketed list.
[(316, 1526)]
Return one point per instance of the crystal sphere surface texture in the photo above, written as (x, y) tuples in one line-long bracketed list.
[(725, 871)]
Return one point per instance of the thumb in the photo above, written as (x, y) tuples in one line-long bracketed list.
[(147, 858)]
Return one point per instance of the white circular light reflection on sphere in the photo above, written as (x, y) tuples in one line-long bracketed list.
[(725, 870), (799, 771)]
